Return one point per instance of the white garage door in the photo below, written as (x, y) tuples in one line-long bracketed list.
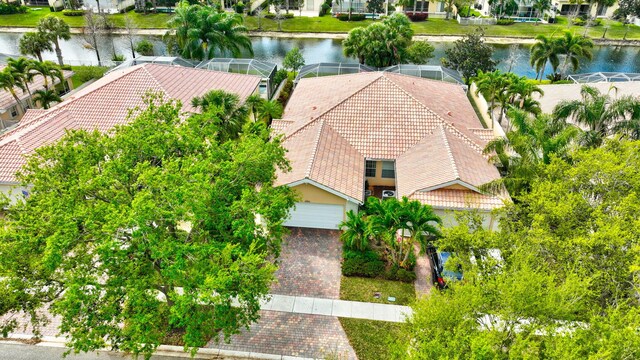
[(319, 216)]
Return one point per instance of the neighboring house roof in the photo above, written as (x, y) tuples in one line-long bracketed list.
[(107, 102), (6, 99), (332, 124), (555, 93)]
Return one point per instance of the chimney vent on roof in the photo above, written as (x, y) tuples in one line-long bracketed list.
[(449, 113), (315, 107)]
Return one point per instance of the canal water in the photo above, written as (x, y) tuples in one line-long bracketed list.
[(513, 57)]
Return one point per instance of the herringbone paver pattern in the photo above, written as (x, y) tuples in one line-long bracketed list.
[(310, 264)]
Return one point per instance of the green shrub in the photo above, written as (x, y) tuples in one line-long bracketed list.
[(505, 22), (13, 8), (280, 75), (367, 264), (273, 16), (239, 7), (86, 73), (354, 17), (400, 274), (283, 98), (73, 12), (144, 48), (127, 9), (117, 57), (578, 22), (325, 9)]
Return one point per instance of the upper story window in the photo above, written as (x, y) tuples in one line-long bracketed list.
[(370, 168), (388, 169), (14, 111)]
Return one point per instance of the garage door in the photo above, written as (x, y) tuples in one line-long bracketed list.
[(319, 216)]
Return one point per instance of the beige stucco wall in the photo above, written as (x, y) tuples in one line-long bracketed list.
[(310, 193), (378, 180)]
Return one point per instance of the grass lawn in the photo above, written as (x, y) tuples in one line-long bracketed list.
[(362, 289), (370, 338), (329, 24)]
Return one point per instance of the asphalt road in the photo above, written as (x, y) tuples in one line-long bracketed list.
[(32, 352)]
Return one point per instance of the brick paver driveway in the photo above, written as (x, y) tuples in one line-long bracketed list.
[(310, 264)]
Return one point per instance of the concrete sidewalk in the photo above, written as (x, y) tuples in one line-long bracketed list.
[(337, 308)]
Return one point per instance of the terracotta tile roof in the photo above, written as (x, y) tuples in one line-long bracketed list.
[(106, 103), (426, 125), (31, 114), (7, 101), (484, 134), (279, 125), (458, 199)]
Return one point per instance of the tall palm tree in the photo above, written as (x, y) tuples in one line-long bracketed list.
[(9, 83), (545, 50), (21, 70), (355, 231), (522, 90), (531, 143), (34, 43), (201, 31), (269, 110), (598, 112), (46, 97), (491, 85), (227, 108), (54, 29), (48, 70), (421, 222), (574, 48), (541, 6)]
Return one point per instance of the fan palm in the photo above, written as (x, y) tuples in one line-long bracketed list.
[(46, 97), (574, 48), (21, 70), (598, 112), (55, 29), (355, 44), (269, 110), (34, 43), (227, 108), (9, 83), (253, 102), (355, 231), (544, 51)]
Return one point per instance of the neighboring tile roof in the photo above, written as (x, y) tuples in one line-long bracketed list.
[(458, 199), (106, 103), (428, 126), (6, 99), (484, 134)]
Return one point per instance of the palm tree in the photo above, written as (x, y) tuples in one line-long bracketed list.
[(629, 126), (598, 112), (253, 102), (54, 29), (355, 231), (541, 6), (34, 43), (355, 44), (201, 31), (574, 47), (531, 143), (48, 70), (45, 97), (21, 70), (544, 51), (491, 85), (421, 222), (9, 83), (269, 110), (226, 107), (521, 91)]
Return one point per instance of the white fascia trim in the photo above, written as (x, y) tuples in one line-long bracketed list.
[(325, 188), (449, 183), (462, 209)]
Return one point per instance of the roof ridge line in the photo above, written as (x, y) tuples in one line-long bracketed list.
[(456, 174), (144, 66), (316, 142), (473, 144), (337, 104)]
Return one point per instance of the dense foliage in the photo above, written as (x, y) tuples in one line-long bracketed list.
[(560, 52), (293, 60), (146, 231), (566, 283), (386, 43), (470, 55)]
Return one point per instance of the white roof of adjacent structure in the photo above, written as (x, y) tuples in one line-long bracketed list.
[(555, 93), (332, 124), (107, 103)]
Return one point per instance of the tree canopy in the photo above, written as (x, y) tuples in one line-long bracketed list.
[(565, 285), (470, 55), (145, 231)]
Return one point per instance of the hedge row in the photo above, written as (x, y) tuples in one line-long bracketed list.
[(9, 9), (369, 264), (422, 16), (354, 17), (73, 12), (285, 16)]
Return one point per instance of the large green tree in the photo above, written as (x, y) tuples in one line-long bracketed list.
[(149, 230), (201, 32), (470, 55), (565, 283), (544, 51), (34, 44)]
